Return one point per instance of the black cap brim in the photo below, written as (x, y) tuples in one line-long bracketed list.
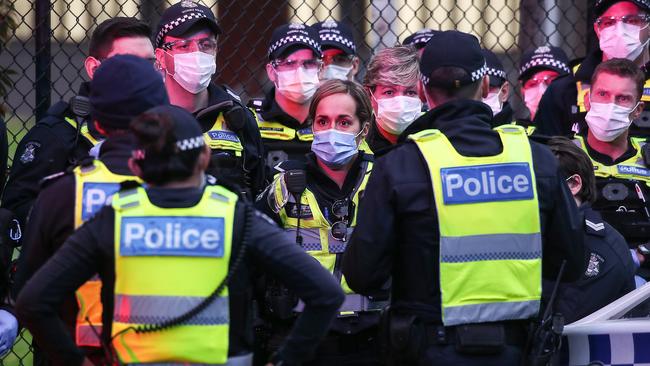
[(328, 44), (278, 52)]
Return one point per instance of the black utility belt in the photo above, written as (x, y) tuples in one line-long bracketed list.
[(480, 334)]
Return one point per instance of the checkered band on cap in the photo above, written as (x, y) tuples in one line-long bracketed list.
[(190, 143), (175, 23), (294, 38), (478, 74), (339, 39), (496, 72), (545, 61)]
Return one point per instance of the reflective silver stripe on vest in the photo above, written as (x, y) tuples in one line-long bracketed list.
[(459, 249), (353, 302), (493, 312), (142, 309), (310, 238), (244, 360)]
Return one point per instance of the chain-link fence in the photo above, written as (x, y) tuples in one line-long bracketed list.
[(46, 46)]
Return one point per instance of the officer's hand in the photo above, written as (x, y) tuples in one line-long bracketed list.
[(8, 331)]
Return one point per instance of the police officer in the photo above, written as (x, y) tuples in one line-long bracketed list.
[(419, 39), (620, 161), (320, 213), (537, 69), (622, 30), (186, 50), (391, 81), (122, 87), (293, 68), (499, 92), (340, 60), (610, 271), (177, 261), (459, 218), (65, 135)]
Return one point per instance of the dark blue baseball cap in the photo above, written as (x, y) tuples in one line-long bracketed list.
[(180, 17), (124, 86), (420, 38), (602, 5), (495, 68), (543, 58), (461, 50), (335, 34), (293, 35)]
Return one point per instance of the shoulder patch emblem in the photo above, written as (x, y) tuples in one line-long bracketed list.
[(593, 269), (29, 154)]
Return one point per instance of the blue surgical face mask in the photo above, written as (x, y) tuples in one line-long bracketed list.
[(334, 147)]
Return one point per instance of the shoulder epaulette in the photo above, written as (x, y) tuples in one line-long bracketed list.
[(232, 93), (128, 185)]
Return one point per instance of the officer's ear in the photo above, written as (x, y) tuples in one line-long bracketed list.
[(204, 159), (504, 93), (355, 67), (91, 64), (637, 111), (575, 184), (587, 100), (485, 86), (135, 168), (270, 72), (161, 61)]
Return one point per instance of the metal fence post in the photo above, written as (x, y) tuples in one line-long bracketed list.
[(42, 62)]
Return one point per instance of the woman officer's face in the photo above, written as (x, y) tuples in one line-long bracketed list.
[(338, 111)]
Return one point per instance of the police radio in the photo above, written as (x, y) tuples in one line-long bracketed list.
[(296, 181)]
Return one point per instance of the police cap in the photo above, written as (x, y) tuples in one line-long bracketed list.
[(335, 34), (420, 38), (180, 17), (495, 68), (602, 5), (461, 50), (293, 34), (543, 58), (122, 87)]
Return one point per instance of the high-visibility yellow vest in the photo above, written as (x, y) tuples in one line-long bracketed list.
[(85, 132), (167, 261), (94, 185), (219, 137), (490, 239), (315, 229), (631, 169)]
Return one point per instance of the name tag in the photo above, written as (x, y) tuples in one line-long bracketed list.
[(223, 135), (305, 131), (95, 196), (633, 170), (486, 183), (172, 236)]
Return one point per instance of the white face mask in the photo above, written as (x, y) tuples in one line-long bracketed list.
[(193, 71), (335, 72), (297, 85), (607, 121), (622, 41), (494, 102), (395, 114), (532, 96)]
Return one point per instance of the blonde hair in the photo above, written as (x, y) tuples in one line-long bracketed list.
[(393, 66)]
